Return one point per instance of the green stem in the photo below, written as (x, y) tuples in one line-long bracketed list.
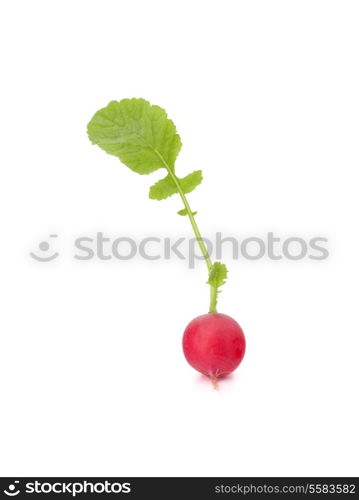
[(201, 243)]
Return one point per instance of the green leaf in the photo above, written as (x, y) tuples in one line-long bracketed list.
[(191, 181), (163, 189), (166, 187), (138, 133), (145, 140), (184, 212), (218, 275)]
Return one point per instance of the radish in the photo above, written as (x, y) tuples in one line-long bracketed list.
[(214, 344), (145, 140)]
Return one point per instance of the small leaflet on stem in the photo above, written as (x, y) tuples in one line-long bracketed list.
[(217, 278), (184, 212)]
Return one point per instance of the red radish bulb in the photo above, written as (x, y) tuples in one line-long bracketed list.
[(214, 344)]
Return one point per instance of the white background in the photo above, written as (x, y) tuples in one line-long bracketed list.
[(265, 97)]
